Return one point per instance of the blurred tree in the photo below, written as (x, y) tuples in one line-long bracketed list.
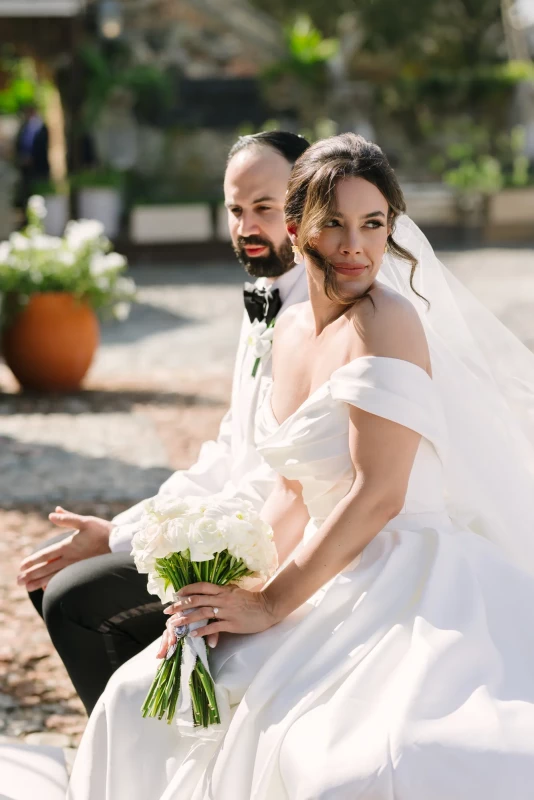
[(440, 32), (436, 32), (299, 81), (20, 85)]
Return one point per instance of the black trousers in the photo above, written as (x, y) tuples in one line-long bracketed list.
[(98, 614)]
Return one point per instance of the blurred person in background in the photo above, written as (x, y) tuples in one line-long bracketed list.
[(31, 153)]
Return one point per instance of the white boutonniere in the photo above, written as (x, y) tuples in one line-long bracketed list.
[(260, 339)]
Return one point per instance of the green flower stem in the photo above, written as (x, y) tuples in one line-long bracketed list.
[(209, 688), (177, 570), (255, 367)]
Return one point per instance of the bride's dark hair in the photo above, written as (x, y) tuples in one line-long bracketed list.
[(310, 200)]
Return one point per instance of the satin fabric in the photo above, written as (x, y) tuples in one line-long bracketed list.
[(408, 677)]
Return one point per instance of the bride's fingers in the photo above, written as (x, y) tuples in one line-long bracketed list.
[(195, 616), (193, 601), (200, 588), (164, 646), (213, 628)]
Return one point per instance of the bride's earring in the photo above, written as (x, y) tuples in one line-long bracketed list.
[(298, 257)]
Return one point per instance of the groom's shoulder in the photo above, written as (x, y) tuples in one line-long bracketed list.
[(292, 315), (289, 320)]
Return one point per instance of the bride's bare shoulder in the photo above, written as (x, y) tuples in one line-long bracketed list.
[(390, 326)]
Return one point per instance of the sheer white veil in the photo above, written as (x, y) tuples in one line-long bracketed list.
[(485, 379)]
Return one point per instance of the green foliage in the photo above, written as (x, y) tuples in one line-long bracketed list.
[(478, 162), (105, 72), (306, 45), (432, 32), (97, 179), (308, 52), (448, 33), (456, 88), (22, 87), (152, 91), (481, 174), (51, 188), (324, 15), (81, 263), (322, 128)]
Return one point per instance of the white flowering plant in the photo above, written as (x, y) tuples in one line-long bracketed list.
[(185, 541), (81, 262)]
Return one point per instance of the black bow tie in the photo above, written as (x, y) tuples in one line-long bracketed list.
[(262, 304)]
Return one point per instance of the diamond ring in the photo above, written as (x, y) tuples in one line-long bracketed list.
[(215, 611)]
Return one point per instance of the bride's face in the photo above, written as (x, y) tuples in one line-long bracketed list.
[(354, 239)]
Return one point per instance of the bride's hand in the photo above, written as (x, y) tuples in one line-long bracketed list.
[(233, 610)]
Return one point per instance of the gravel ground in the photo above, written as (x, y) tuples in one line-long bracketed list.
[(158, 388), (37, 701)]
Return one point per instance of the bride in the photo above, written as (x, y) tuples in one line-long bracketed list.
[(392, 656)]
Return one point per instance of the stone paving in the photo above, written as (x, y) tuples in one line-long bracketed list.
[(158, 388), (116, 440)]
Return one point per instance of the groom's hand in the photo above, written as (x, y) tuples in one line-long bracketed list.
[(90, 538)]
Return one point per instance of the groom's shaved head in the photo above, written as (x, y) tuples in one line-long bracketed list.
[(255, 186), (289, 145)]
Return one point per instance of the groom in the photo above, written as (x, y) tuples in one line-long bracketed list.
[(83, 582)]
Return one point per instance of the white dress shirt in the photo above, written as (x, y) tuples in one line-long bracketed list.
[(230, 465)]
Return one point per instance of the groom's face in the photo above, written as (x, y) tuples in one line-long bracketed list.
[(255, 186)]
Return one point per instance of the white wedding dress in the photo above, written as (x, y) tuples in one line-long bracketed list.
[(410, 676)]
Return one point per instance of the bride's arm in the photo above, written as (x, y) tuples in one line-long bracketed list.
[(383, 453), (286, 513)]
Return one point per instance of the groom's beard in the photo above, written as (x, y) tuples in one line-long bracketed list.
[(272, 265)]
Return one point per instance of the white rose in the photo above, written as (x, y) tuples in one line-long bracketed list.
[(176, 535), (205, 539), (149, 543), (252, 541), (156, 585), (160, 546), (144, 560), (169, 507), (260, 338)]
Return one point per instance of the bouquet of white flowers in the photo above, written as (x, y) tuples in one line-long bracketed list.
[(182, 542)]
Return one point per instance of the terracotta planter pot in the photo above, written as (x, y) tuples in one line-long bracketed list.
[(50, 344)]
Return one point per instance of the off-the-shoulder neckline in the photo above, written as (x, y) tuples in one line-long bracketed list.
[(326, 384)]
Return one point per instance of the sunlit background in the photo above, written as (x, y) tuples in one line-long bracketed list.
[(141, 100)]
